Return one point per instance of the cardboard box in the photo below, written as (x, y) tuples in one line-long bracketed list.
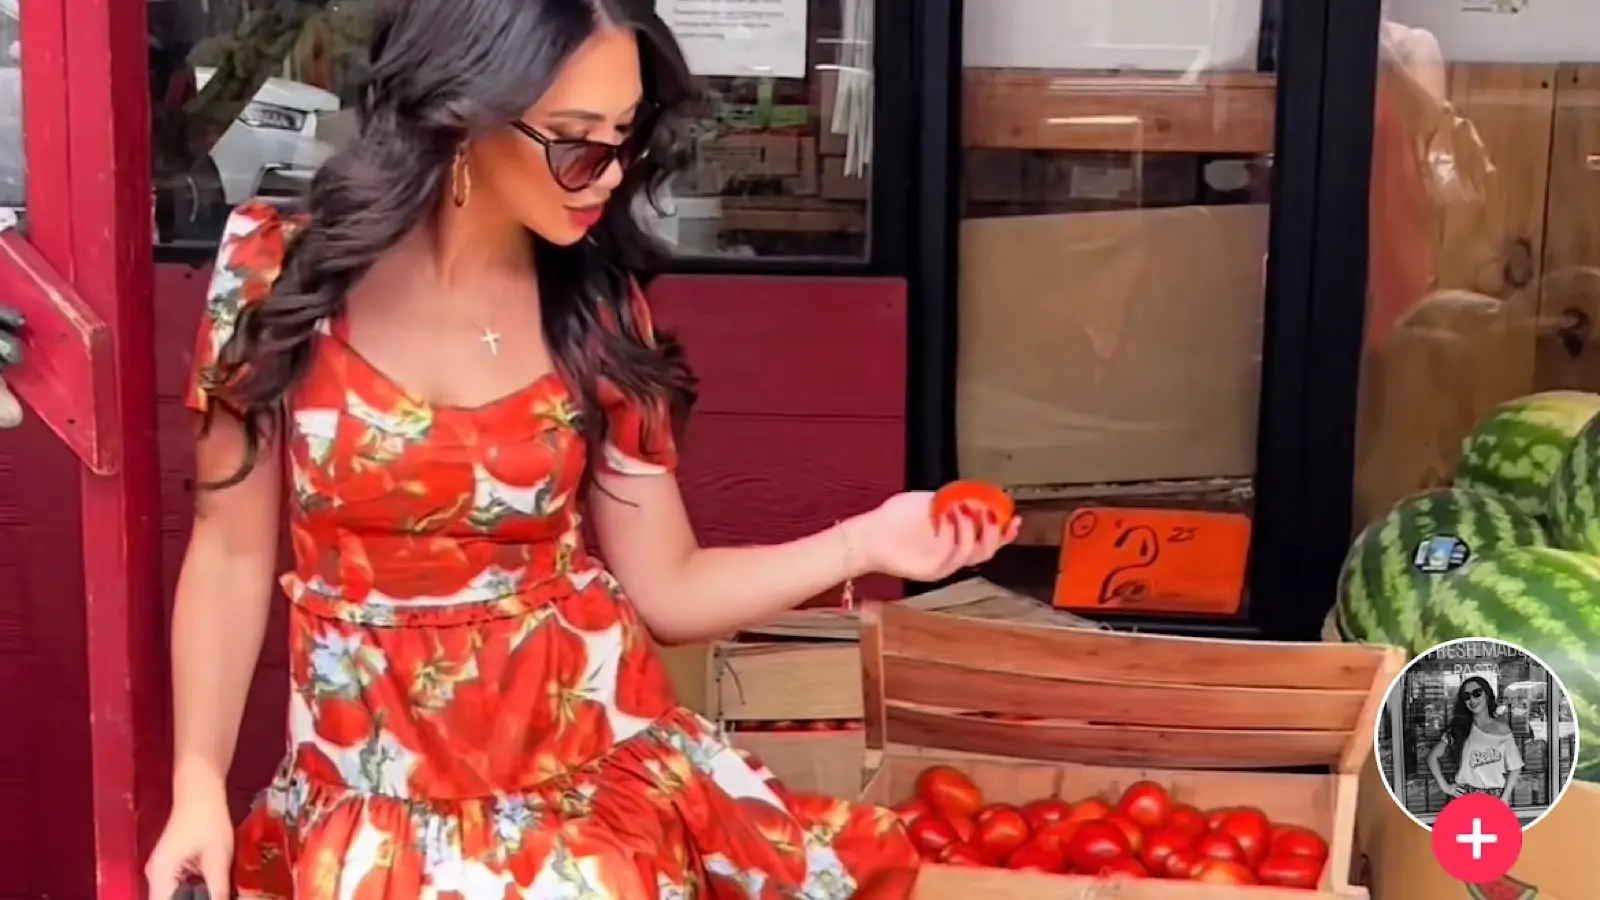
[(1206, 718), (1110, 347), (823, 762)]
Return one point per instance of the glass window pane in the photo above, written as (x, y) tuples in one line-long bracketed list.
[(1115, 182), (249, 98), (13, 164)]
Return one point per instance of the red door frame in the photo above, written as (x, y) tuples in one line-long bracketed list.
[(82, 276)]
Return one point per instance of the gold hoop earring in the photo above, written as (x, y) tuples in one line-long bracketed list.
[(460, 179)]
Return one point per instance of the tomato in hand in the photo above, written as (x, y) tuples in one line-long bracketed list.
[(1221, 871), (911, 810), (949, 791), (1251, 830), (1218, 845), (1290, 871), (1132, 832), (1048, 811), (1001, 830), (1036, 856), (959, 854), (1120, 867), (1090, 810), (1292, 840), (1094, 843), (1146, 804), (931, 834), (1162, 843), (1186, 818), (989, 506)]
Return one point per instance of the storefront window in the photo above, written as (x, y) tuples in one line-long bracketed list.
[(13, 164), (1116, 169), (1419, 710), (249, 98), (1484, 272)]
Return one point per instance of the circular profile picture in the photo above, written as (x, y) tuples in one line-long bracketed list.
[(1476, 716)]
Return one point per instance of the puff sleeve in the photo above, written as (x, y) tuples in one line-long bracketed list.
[(638, 437), (248, 263)]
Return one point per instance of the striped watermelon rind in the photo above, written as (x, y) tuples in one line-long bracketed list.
[(1543, 599), (1575, 493), (1382, 590), (1515, 450)]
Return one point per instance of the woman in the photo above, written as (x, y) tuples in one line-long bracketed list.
[(453, 358), (1482, 747)]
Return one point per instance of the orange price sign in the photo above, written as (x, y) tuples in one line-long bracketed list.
[(1153, 560)]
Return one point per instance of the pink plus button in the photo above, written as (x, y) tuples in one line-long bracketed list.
[(1477, 838)]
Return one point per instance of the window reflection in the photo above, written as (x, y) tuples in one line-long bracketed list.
[(13, 165), (250, 97)]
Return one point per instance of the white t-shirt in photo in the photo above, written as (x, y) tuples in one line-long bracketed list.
[(1486, 758)]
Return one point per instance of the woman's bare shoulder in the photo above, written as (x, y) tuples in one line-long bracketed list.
[(1497, 727)]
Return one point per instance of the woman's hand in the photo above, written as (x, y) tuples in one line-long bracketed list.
[(11, 323), (898, 538), (197, 842), (1454, 790)]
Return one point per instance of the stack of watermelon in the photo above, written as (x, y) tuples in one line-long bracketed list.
[(1510, 551)]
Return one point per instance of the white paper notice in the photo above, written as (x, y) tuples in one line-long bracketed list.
[(748, 38)]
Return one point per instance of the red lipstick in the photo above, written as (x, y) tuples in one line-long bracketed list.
[(586, 216)]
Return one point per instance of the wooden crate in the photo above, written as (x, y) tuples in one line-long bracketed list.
[(1202, 717), (807, 665)]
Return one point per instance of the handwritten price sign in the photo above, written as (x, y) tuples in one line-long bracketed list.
[(1153, 560)]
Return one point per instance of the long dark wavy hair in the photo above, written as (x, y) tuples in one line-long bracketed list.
[(440, 72), (1461, 717)]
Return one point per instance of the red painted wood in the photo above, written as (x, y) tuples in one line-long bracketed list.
[(110, 202), (68, 381), (781, 444)]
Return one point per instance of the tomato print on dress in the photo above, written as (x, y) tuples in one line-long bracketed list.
[(476, 710)]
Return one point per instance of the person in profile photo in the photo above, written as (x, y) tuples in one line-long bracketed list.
[(1481, 745)]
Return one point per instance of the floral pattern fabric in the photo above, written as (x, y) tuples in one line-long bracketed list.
[(476, 710)]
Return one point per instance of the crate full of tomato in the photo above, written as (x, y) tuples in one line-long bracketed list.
[(1036, 762)]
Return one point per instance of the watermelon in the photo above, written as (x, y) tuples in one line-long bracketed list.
[(1507, 888), (1575, 493), (1542, 599), (1515, 451), (1395, 562)]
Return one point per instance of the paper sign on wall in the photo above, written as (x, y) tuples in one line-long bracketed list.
[(739, 38)]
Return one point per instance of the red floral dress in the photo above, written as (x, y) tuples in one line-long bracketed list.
[(476, 710)]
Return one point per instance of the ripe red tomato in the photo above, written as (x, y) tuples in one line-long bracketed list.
[(1146, 804), (931, 834), (1090, 810), (1162, 843), (1251, 830), (1000, 832), (1132, 832), (963, 826), (1218, 845), (1094, 843), (959, 854), (1186, 818), (991, 506), (1056, 836), (911, 810), (1037, 856), (1121, 867), (1292, 840), (1214, 817), (822, 725), (1050, 810), (1290, 871), (1179, 863), (949, 791), (782, 725), (1221, 871)]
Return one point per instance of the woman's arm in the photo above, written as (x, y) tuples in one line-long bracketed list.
[(1512, 774), (223, 597), (1434, 755), (687, 593)]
